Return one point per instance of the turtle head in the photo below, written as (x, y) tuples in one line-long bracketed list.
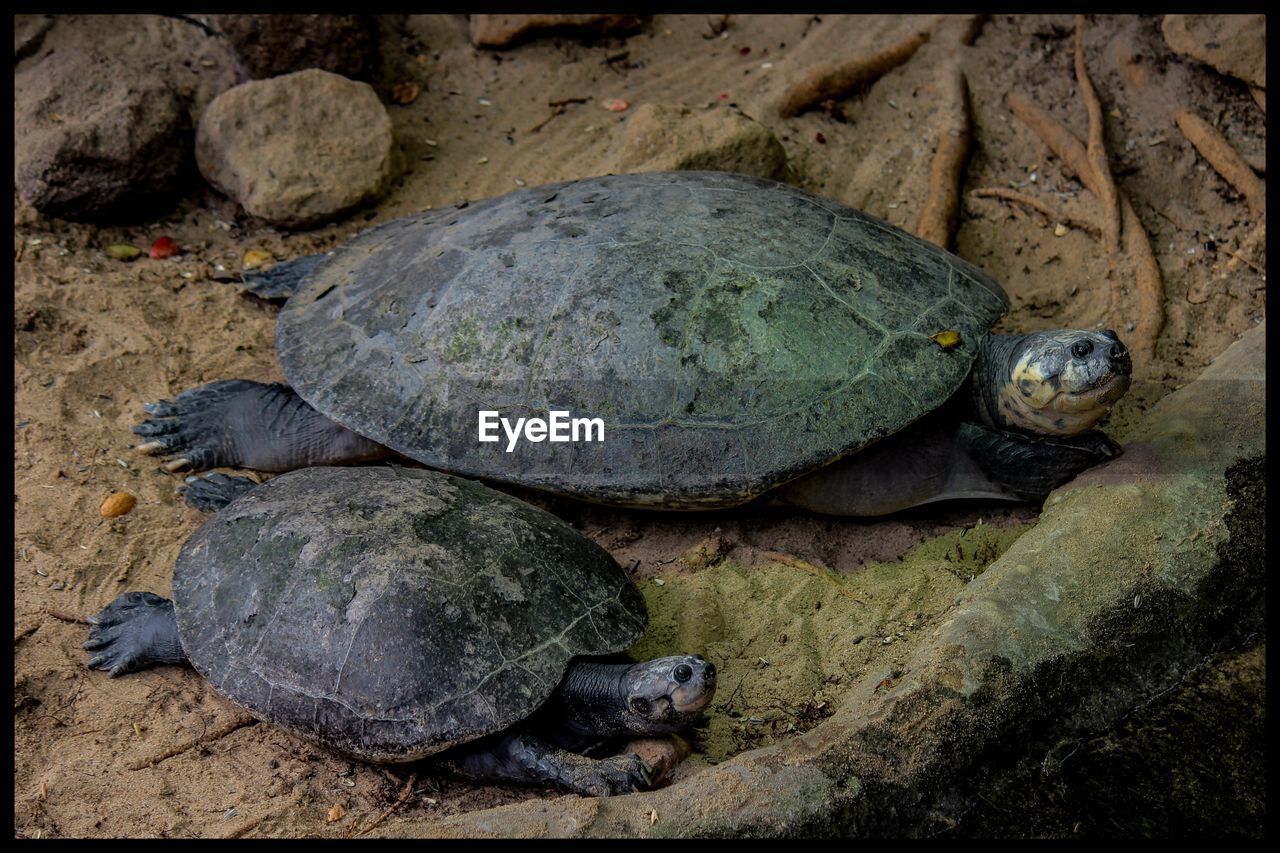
[(667, 694), (1060, 383)]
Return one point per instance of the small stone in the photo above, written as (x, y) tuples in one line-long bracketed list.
[(299, 149), (1059, 230), (120, 503)]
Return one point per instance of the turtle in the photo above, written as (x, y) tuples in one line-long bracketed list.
[(391, 614), (735, 336)]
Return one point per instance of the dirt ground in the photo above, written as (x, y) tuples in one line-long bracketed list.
[(159, 754)]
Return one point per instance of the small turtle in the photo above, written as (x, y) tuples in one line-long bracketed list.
[(733, 334), (392, 614)]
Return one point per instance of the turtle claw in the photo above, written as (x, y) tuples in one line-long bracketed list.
[(177, 465), (132, 632), (619, 774)]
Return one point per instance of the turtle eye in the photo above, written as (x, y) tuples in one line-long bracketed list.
[(1081, 348), (640, 705), (683, 673)]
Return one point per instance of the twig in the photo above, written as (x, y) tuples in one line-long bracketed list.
[(404, 795), (1147, 279), (237, 723), (557, 108), (1036, 205), (810, 568), (1096, 152), (835, 79), (68, 617), (941, 212), (1214, 147)]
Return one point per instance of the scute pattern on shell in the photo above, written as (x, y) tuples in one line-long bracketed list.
[(391, 613), (733, 333)]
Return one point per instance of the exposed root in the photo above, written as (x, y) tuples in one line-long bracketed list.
[(1147, 279), (940, 214), (1096, 152), (222, 731), (1036, 205), (404, 796), (833, 80), (1214, 147)]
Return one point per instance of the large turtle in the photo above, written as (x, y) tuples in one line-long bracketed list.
[(732, 333), (392, 614)]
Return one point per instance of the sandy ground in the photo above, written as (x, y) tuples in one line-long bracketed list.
[(159, 754)]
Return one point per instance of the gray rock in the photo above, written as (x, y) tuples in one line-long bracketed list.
[(98, 140), (507, 30), (1235, 45), (299, 149), (270, 45), (660, 138)]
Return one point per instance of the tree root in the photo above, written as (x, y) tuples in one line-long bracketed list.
[(1147, 278), (833, 80), (222, 731), (1038, 206), (940, 214), (1214, 147), (1096, 151), (404, 796)]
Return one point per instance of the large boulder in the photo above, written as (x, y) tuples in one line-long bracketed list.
[(98, 140), (297, 150), (270, 45)]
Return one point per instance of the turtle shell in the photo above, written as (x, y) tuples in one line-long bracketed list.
[(391, 613), (732, 333)]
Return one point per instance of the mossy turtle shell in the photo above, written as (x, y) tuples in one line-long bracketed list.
[(391, 613), (732, 332)]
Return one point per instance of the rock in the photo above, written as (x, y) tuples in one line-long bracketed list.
[(1235, 45), (299, 149), (97, 140), (507, 30), (270, 45), (661, 138)]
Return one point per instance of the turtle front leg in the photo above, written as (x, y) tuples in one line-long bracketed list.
[(1031, 468), (136, 630), (214, 491), (527, 759), (237, 423)]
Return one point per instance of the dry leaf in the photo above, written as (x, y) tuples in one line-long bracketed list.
[(123, 251), (255, 258), (335, 814), (405, 93), (946, 339)]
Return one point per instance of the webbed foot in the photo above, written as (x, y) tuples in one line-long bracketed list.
[(212, 492)]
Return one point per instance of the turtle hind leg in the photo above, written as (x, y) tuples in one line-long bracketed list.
[(136, 630), (238, 423), (528, 759), (214, 491)]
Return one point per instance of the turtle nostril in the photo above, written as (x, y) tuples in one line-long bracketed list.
[(709, 671), (1118, 350)]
